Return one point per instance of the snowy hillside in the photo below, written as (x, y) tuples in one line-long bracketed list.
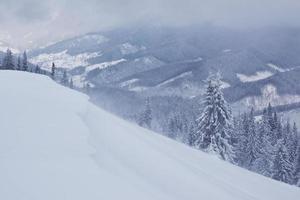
[(54, 144)]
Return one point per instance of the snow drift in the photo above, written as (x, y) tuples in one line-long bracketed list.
[(54, 144)]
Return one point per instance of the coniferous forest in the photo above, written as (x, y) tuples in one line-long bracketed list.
[(260, 142)]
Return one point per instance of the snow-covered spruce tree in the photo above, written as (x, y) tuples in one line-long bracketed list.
[(19, 65), (239, 139), (276, 128), (64, 79), (291, 141), (214, 126), (25, 63), (252, 145), (192, 134), (272, 118), (53, 70), (71, 83), (282, 168), (296, 170), (145, 118), (177, 126), (37, 70), (279, 131), (7, 62), (172, 127), (87, 88), (264, 149)]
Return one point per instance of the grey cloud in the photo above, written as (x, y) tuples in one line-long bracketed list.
[(32, 11), (48, 20), (24, 10)]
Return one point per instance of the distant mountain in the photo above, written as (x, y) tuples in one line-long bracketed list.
[(164, 61), (4, 46)]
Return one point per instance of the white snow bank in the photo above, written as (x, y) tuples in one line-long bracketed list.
[(257, 76), (54, 144)]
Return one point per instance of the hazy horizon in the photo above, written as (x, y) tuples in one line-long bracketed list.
[(32, 23)]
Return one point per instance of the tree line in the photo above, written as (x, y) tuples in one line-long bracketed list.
[(8, 62), (21, 64)]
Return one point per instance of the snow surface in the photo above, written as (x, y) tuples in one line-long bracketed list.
[(104, 65), (63, 59), (257, 76), (183, 75), (195, 60), (129, 82), (99, 39), (277, 68), (226, 50), (56, 145), (224, 84), (128, 48)]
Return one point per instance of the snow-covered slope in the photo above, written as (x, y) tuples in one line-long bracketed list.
[(54, 144)]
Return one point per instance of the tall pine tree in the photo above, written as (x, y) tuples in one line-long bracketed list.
[(64, 79), (240, 139), (53, 71), (37, 69), (71, 83), (282, 168), (19, 65), (7, 62), (252, 146), (292, 142), (296, 170), (214, 126), (145, 118), (264, 156), (25, 63)]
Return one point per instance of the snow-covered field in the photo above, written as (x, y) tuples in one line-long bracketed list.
[(55, 145), (63, 59), (257, 76)]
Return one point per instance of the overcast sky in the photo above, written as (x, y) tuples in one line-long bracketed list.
[(35, 22)]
